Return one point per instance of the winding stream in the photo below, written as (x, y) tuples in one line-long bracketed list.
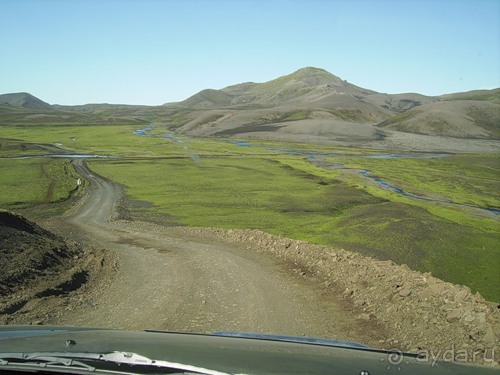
[(313, 157), (367, 174), (67, 156)]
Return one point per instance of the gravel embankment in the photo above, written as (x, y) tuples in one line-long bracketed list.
[(421, 312)]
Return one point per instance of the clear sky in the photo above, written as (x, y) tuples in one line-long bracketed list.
[(158, 51)]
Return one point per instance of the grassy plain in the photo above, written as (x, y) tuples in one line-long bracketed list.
[(319, 198), (106, 140), (236, 192), (463, 179), (27, 182)]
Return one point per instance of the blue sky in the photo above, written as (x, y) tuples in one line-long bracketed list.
[(157, 51)]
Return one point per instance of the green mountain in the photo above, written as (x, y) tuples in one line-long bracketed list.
[(305, 85)]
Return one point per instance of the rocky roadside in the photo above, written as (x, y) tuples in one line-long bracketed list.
[(41, 272), (422, 313)]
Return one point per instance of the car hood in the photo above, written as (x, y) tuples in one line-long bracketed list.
[(228, 352)]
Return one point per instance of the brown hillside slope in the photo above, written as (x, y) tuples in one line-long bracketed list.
[(314, 105), (457, 118)]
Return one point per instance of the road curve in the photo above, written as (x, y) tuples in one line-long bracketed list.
[(170, 280), (100, 205)]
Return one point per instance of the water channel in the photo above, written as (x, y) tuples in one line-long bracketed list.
[(314, 157)]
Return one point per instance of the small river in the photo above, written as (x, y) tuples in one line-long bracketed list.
[(314, 157), (397, 190), (67, 156)]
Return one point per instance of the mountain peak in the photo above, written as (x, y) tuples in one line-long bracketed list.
[(306, 84), (312, 77), (311, 70)]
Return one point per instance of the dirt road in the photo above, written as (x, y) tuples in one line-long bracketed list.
[(168, 279)]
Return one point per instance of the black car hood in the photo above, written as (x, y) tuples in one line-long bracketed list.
[(237, 353)]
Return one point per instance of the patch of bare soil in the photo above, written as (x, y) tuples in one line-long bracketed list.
[(39, 268)]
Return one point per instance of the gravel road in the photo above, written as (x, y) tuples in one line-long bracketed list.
[(168, 279)]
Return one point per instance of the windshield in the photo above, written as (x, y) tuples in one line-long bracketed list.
[(327, 170)]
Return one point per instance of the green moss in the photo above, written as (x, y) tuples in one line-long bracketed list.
[(413, 236), (461, 179), (350, 114), (298, 115), (399, 118), (28, 182)]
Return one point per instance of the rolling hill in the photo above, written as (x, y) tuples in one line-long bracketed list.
[(20, 116), (453, 118), (24, 100), (310, 105), (305, 85)]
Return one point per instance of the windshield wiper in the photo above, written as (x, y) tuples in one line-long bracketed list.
[(69, 360), (21, 361)]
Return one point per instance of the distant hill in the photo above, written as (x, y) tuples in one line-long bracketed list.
[(24, 100), (452, 118), (312, 102), (30, 112), (305, 85), (480, 95), (473, 114), (308, 101), (308, 105)]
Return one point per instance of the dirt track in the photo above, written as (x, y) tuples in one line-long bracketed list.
[(168, 279)]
